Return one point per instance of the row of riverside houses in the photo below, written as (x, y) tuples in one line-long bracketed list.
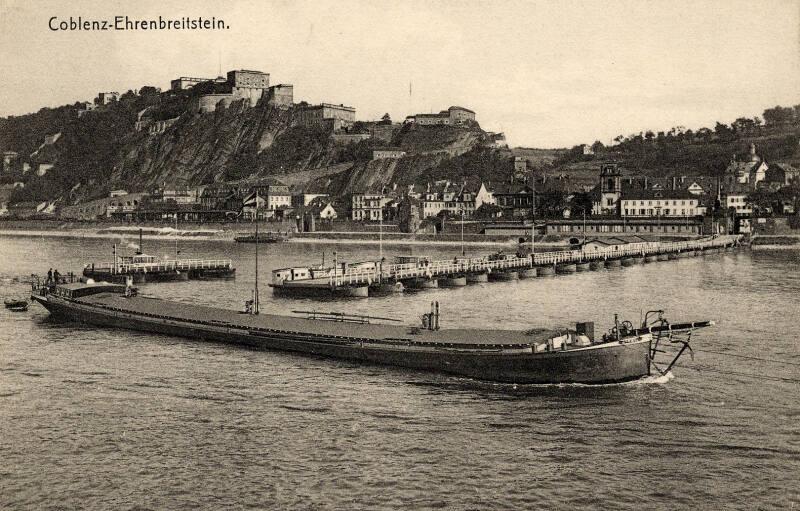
[(681, 201), (621, 202), (270, 200), (442, 196)]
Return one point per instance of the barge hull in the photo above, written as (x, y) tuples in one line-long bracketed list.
[(598, 364)]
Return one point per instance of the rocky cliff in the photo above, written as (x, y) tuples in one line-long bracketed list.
[(143, 142)]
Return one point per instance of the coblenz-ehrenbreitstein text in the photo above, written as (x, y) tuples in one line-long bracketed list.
[(128, 23)]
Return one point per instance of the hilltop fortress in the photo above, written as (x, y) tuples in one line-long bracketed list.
[(239, 84), (254, 85)]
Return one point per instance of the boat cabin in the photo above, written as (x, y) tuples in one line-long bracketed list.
[(281, 275), (79, 289), (138, 259), (412, 259)]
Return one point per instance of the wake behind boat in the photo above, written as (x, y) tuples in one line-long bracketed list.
[(533, 356)]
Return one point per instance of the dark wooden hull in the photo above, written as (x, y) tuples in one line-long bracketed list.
[(614, 362), (16, 305), (261, 239)]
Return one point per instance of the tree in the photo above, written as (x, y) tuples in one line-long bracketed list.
[(778, 115), (551, 204), (147, 90), (722, 130), (597, 146), (705, 134), (581, 203), (743, 125), (487, 211)]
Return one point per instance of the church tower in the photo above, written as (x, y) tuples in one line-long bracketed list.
[(610, 189), (754, 157)]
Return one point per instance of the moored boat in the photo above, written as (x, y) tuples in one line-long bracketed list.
[(533, 356), (16, 305), (147, 268), (269, 237)]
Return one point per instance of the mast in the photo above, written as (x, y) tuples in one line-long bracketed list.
[(583, 245), (255, 289), (463, 253), (533, 216), (658, 224), (584, 225), (176, 237)]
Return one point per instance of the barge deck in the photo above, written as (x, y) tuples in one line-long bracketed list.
[(533, 356)]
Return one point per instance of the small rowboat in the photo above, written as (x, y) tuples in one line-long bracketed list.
[(16, 305)]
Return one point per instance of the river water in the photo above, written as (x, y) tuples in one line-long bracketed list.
[(103, 419)]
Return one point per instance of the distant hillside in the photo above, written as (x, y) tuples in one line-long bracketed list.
[(102, 149), (703, 152), (539, 158)]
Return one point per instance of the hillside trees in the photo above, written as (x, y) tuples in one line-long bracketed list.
[(781, 115), (479, 163)]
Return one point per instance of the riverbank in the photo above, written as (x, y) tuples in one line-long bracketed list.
[(775, 242), (227, 232), (330, 238)]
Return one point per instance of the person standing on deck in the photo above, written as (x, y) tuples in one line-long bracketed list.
[(56, 276), (49, 276)]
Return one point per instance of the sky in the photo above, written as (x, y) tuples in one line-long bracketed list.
[(547, 73)]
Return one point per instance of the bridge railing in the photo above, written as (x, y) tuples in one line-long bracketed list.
[(432, 269), (168, 265)]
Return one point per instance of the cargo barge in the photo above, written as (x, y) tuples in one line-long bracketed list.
[(533, 356)]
